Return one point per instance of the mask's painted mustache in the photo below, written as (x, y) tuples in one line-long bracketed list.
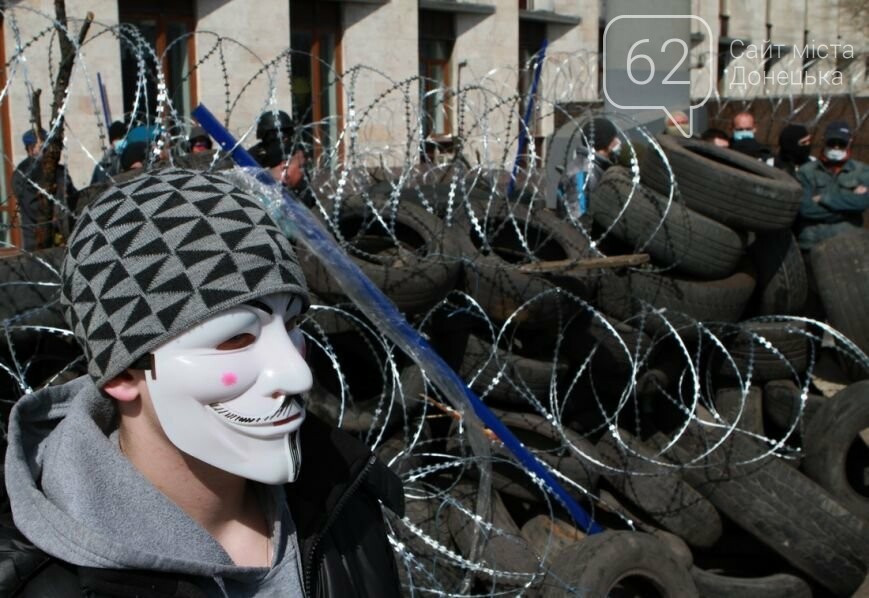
[(283, 412)]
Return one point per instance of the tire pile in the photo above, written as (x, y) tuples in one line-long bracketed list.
[(673, 400)]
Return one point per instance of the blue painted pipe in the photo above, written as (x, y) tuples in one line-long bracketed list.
[(526, 118), (293, 216)]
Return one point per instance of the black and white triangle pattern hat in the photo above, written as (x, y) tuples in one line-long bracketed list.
[(158, 254)]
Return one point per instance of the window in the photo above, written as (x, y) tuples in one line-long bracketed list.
[(164, 26), (315, 40), (437, 35)]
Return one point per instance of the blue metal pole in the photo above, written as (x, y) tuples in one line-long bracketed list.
[(526, 119), (291, 214)]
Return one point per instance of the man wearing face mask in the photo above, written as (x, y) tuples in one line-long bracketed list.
[(835, 189), (184, 462), (599, 149), (110, 164), (743, 139), (795, 148)]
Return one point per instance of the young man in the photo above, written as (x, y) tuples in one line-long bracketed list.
[(583, 174), (184, 463), (110, 164)]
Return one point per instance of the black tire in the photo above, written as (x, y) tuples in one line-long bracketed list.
[(415, 274), (777, 504), (782, 404), (500, 546), (545, 441), (782, 283), (492, 276), (672, 234), (588, 333), (841, 268), (780, 585), (725, 185), (837, 458), (732, 402), (519, 376), (601, 563), (722, 300), (746, 347), (658, 490), (429, 566)]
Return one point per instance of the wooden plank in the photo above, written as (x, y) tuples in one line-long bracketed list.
[(615, 261)]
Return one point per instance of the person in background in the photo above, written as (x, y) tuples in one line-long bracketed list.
[(110, 164), (134, 156), (184, 463), (716, 137), (39, 215), (743, 140), (835, 189), (199, 141), (583, 174), (676, 123), (275, 126), (289, 170), (794, 149)]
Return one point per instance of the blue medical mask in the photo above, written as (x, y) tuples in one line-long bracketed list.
[(741, 135)]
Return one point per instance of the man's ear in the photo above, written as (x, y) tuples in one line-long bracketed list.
[(123, 387)]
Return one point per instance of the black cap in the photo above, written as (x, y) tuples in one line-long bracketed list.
[(117, 130), (134, 152), (599, 133), (838, 130), (270, 123), (197, 133)]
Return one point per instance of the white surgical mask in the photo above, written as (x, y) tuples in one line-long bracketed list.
[(616, 150), (835, 154), (228, 391), (740, 135)]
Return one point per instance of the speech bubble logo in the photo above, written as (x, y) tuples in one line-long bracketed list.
[(642, 74)]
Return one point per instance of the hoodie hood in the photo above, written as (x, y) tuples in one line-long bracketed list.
[(77, 498)]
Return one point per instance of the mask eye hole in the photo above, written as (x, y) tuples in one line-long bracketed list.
[(291, 323), (239, 341)]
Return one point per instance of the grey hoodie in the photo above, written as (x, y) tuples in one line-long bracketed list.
[(76, 497)]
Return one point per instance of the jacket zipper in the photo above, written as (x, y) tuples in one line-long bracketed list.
[(309, 568)]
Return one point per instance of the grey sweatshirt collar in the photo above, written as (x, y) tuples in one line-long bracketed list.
[(76, 497)]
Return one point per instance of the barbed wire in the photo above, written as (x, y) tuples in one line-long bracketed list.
[(594, 365)]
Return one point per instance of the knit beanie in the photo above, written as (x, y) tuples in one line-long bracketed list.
[(158, 254), (599, 133)]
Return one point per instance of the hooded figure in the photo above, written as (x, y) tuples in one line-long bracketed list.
[(174, 467), (795, 148)]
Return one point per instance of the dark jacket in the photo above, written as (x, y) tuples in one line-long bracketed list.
[(32, 215), (838, 207), (335, 504)]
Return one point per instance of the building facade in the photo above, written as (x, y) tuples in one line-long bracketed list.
[(375, 81)]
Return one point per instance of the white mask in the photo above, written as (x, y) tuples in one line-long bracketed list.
[(227, 392), (834, 154)]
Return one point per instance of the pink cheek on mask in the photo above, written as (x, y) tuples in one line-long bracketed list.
[(228, 379)]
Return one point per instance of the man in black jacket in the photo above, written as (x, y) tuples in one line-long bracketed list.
[(40, 214), (174, 468)]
